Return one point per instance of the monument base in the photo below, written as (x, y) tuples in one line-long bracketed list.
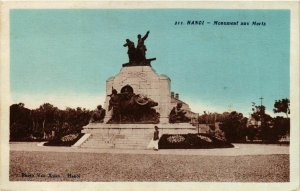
[(128, 136)]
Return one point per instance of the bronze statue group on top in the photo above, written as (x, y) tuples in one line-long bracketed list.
[(137, 55)]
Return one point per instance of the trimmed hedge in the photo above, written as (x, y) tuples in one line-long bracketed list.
[(66, 141), (191, 141)]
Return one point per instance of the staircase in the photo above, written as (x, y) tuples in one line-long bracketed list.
[(133, 141), (128, 136), (118, 141), (98, 140)]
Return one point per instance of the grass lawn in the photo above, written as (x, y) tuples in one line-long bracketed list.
[(54, 166)]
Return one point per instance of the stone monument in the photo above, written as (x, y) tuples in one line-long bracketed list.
[(137, 98), (143, 81)]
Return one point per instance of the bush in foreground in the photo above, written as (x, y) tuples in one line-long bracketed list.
[(191, 141), (66, 141)]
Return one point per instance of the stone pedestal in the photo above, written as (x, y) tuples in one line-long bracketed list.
[(144, 80)]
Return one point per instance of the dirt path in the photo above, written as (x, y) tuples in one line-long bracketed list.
[(240, 149)]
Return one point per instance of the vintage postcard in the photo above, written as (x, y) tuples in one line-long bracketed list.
[(149, 96)]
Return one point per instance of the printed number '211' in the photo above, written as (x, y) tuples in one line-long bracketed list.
[(178, 23)]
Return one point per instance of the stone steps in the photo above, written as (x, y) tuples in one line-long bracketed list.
[(99, 146), (129, 136), (131, 141), (119, 141), (130, 147)]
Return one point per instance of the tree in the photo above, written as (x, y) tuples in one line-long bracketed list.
[(282, 106), (282, 126), (211, 118), (19, 122), (266, 130), (234, 127), (47, 116), (259, 114), (251, 132)]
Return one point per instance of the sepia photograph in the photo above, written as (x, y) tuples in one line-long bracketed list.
[(147, 96)]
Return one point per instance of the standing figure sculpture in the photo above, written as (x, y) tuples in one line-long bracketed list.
[(114, 105), (137, 55), (141, 48), (131, 50)]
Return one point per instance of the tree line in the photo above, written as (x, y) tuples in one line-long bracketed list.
[(260, 126), (46, 122)]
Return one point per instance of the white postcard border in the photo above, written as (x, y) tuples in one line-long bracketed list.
[(5, 98)]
